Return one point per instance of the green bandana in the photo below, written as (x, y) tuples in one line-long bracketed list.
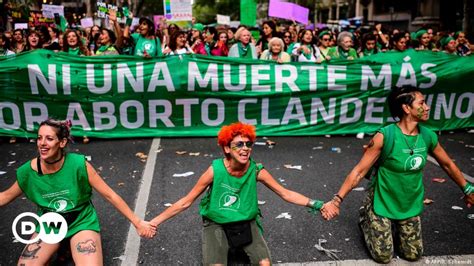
[(244, 52), (420, 33), (368, 52), (103, 48), (320, 36), (444, 41), (343, 53), (208, 48), (308, 55)]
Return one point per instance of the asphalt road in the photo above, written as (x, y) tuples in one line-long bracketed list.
[(445, 231)]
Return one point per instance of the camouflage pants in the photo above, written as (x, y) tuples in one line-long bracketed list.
[(377, 233)]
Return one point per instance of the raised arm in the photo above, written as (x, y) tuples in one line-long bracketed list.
[(143, 228), (117, 29), (10, 194), (182, 204), (454, 173), (353, 179)]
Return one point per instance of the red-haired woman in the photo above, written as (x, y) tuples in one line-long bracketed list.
[(229, 209)]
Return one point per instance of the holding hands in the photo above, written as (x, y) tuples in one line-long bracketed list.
[(145, 229)]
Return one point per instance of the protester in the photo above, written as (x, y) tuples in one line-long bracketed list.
[(93, 38), (209, 36), (4, 45), (447, 45), (18, 43), (197, 41), (422, 40), (229, 208), (145, 42), (399, 42), (305, 50), (73, 45), (269, 31), (463, 47), (106, 40), (368, 46), (324, 42), (33, 41), (396, 192), (243, 48), (287, 40), (222, 46), (62, 182), (178, 44), (275, 51), (344, 49), (231, 36)]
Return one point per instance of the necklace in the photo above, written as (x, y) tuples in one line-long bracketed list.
[(408, 145), (55, 161)]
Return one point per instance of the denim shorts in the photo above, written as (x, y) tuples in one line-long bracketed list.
[(215, 246)]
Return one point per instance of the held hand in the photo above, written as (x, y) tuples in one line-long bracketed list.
[(469, 199), (330, 210), (146, 229), (112, 15)]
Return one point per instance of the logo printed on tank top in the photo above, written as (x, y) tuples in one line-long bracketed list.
[(414, 162), (229, 200), (61, 204)]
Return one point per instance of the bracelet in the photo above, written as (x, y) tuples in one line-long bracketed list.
[(339, 197), (468, 188)]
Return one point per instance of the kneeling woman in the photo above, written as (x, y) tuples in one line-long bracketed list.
[(62, 182), (229, 208)]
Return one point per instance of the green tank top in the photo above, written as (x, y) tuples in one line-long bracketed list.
[(67, 190), (399, 189), (230, 198)]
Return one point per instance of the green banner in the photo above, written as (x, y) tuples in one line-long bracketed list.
[(248, 13), (125, 96)]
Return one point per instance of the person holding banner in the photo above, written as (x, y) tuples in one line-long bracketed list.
[(306, 50), (229, 209), (447, 45), (243, 48), (324, 44), (344, 49), (269, 31), (275, 51), (396, 192), (178, 44), (72, 44), (61, 182)]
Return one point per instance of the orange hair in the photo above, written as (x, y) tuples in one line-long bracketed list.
[(228, 133)]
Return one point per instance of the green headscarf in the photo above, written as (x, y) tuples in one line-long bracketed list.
[(420, 33), (445, 40), (320, 35)]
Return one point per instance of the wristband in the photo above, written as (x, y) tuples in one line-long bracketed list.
[(314, 205), (129, 21), (468, 188)]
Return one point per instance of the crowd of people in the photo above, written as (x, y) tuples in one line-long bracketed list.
[(280, 43)]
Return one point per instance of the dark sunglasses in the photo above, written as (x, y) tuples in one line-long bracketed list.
[(325, 39), (286, 36), (241, 144)]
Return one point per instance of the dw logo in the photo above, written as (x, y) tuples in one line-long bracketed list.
[(53, 228)]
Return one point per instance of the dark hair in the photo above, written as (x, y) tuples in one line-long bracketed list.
[(272, 26), (112, 36), (6, 42), (151, 25), (399, 96), (173, 44), (212, 30), (62, 128)]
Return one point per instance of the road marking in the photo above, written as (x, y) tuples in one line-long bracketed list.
[(425, 260), (132, 246), (468, 177)]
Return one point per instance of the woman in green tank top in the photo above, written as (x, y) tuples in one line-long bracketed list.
[(62, 183), (229, 209), (396, 193)]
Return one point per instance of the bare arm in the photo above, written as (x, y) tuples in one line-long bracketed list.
[(184, 203), (143, 228), (117, 29), (10, 194), (353, 179), (447, 164), (288, 195)]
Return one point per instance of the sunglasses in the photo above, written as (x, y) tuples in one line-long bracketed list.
[(325, 39), (286, 36), (240, 144)]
